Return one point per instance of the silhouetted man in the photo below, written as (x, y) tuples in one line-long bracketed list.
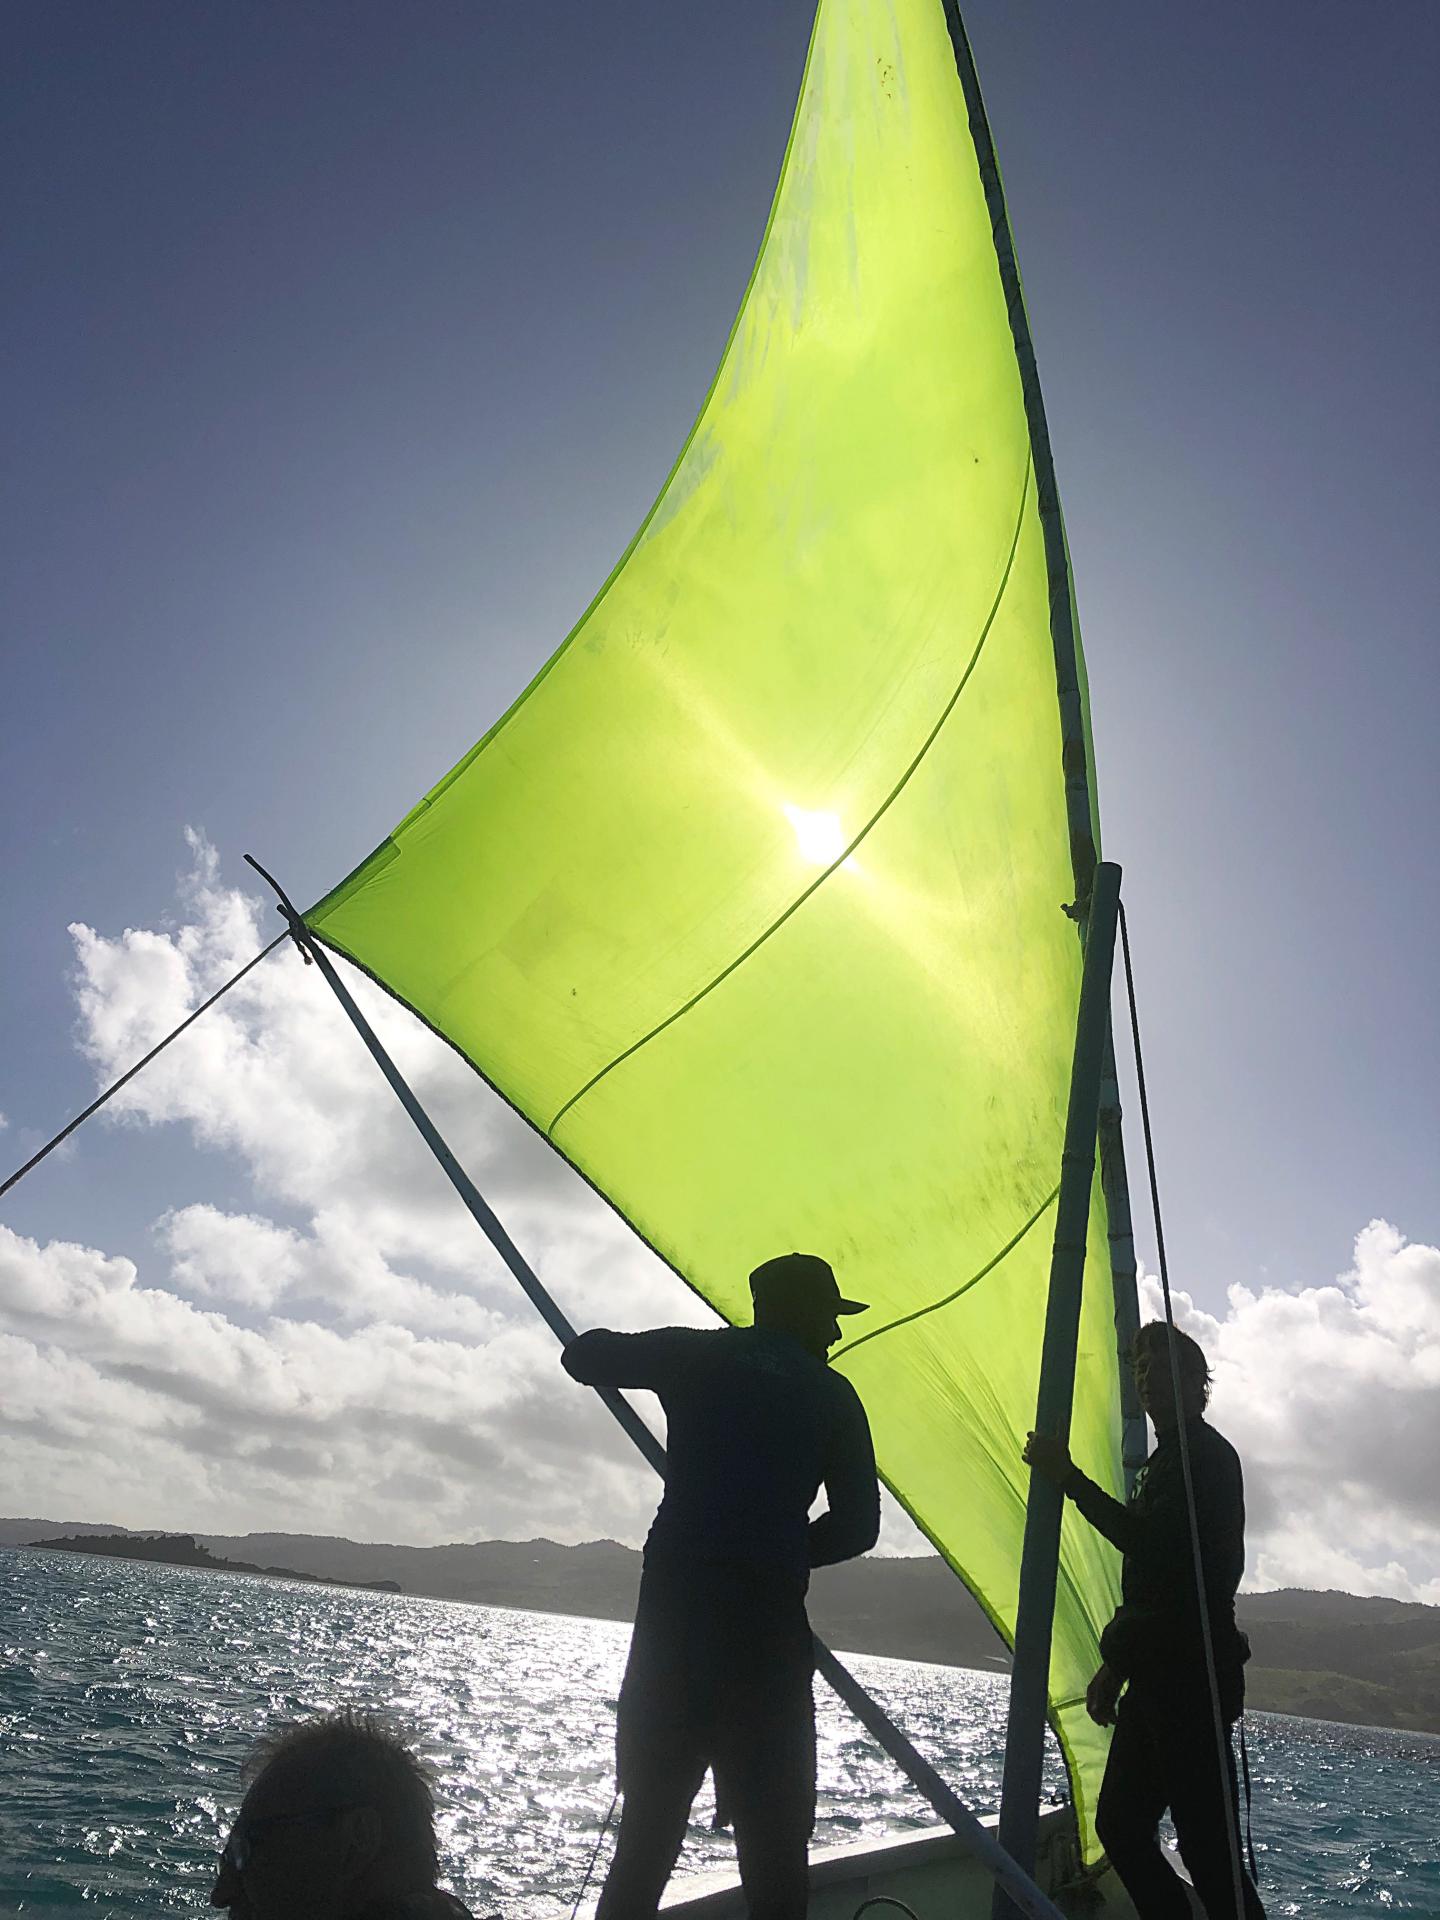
[(721, 1664), (338, 1824), (1165, 1753)]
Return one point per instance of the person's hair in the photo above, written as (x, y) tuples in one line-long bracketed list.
[(354, 1760), (1155, 1336)]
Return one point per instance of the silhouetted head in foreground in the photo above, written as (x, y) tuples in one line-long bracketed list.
[(797, 1293), (1150, 1357), (338, 1822)]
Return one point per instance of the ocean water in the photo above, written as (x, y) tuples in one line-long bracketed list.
[(129, 1694)]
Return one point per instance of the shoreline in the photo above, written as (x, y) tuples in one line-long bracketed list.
[(199, 1560), (392, 1590)]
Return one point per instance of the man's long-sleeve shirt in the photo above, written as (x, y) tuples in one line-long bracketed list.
[(756, 1426), (1156, 1632)]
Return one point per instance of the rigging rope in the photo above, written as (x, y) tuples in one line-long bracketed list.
[(100, 1099), (1249, 1836), (595, 1854), (1223, 1754)]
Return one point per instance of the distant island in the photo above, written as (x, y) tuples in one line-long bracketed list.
[(1325, 1656), (184, 1550)]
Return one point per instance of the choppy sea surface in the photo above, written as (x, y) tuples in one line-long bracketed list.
[(129, 1694)]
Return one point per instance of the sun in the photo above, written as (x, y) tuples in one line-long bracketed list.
[(819, 836)]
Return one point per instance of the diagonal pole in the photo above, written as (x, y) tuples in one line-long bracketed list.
[(1026, 1896), (1040, 1555)]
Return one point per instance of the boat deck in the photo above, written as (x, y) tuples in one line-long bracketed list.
[(932, 1871)]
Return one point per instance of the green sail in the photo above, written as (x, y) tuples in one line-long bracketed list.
[(752, 903)]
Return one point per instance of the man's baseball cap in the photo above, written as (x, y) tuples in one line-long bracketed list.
[(804, 1279)]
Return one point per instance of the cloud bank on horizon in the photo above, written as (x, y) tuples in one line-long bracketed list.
[(351, 1357)]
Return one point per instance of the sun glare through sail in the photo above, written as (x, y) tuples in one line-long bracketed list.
[(819, 836)]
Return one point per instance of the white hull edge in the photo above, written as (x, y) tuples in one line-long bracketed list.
[(931, 1870)]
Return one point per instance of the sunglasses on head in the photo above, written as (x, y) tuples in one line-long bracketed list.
[(244, 1835)]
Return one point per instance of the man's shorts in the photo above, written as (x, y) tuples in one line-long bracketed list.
[(720, 1675)]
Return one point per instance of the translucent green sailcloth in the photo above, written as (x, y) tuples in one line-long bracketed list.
[(752, 902)]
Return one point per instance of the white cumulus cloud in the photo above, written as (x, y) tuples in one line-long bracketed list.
[(1332, 1395), (347, 1354)]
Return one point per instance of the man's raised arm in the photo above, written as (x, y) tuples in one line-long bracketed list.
[(604, 1359)]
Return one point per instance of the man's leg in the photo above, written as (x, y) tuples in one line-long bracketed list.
[(765, 1768), (1134, 1794), (773, 1845), (660, 1751), (653, 1818), (1197, 1806)]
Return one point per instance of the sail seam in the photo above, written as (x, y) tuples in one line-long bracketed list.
[(949, 1299), (860, 837)]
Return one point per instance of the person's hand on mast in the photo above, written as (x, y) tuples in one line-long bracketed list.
[(1048, 1456)]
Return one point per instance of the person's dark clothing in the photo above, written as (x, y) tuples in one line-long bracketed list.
[(1163, 1755), (432, 1904), (1155, 1633), (756, 1425), (719, 1676), (721, 1659), (1164, 1752)]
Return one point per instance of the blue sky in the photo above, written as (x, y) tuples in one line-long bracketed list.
[(349, 345)]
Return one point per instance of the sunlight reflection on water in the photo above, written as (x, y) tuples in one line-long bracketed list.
[(131, 1693)]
